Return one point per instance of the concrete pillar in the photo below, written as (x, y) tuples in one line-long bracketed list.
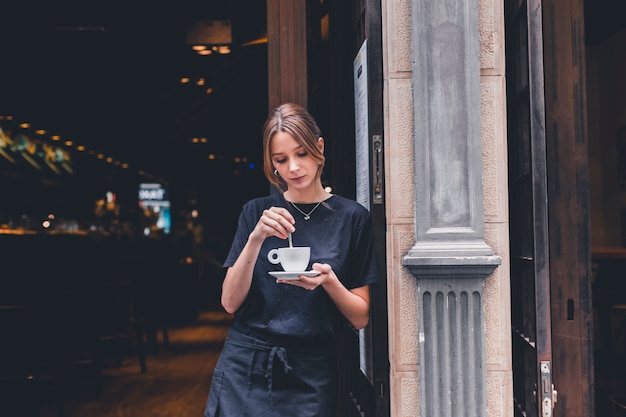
[(450, 258)]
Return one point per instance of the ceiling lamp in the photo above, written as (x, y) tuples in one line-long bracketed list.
[(216, 34)]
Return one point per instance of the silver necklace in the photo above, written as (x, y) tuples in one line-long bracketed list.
[(307, 216)]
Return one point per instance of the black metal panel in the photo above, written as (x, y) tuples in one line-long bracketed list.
[(530, 283)]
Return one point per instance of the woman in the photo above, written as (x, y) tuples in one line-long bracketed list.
[(279, 356)]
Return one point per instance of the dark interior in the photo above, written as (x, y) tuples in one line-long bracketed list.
[(107, 76)]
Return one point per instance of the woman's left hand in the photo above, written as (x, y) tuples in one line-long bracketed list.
[(310, 283), (354, 304)]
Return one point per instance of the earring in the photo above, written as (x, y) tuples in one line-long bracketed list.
[(276, 173)]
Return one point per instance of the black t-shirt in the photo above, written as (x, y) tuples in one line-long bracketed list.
[(339, 234)]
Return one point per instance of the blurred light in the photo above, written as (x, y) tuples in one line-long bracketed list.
[(194, 213), (198, 47), (55, 137), (46, 224), (40, 132), (24, 125), (258, 41), (184, 80), (68, 143), (205, 52), (324, 26)]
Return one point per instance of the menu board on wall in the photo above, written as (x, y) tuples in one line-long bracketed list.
[(361, 127), (362, 180)]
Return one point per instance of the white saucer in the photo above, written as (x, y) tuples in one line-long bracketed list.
[(293, 275)]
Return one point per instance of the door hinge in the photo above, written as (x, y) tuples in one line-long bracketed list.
[(548, 392)]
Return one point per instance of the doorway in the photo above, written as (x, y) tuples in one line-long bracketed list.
[(576, 116)]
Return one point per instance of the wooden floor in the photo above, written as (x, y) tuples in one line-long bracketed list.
[(177, 380), (176, 383)]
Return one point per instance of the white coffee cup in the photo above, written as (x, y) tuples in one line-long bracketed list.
[(292, 259)]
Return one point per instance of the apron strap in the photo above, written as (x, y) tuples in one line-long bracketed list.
[(281, 353)]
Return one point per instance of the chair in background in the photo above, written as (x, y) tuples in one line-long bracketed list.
[(117, 322), (66, 313), (152, 314), (149, 268)]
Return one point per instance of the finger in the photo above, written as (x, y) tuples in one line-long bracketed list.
[(283, 217), (323, 268), (284, 213), (277, 224)]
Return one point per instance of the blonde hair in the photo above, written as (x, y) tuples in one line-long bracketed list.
[(293, 119)]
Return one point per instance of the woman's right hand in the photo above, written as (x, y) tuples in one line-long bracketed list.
[(275, 221)]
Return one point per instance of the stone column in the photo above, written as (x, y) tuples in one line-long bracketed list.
[(450, 258)]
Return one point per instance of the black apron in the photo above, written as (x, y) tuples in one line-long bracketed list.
[(278, 378)]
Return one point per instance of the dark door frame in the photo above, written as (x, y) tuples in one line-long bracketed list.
[(567, 158), (529, 248), (553, 319)]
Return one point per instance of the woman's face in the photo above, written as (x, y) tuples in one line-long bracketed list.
[(293, 162)]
